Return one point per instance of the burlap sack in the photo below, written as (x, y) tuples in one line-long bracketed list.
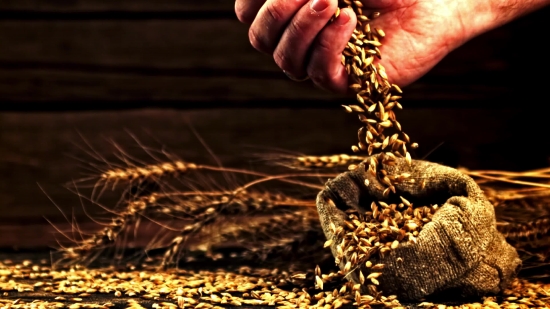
[(460, 251)]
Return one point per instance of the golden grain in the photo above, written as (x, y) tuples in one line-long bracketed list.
[(519, 295)]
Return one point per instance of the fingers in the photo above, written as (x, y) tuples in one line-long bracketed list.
[(296, 40), (246, 10), (270, 22), (325, 67), (298, 34)]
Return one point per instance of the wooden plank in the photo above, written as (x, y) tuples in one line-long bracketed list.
[(52, 85), (213, 43), (30, 233), (182, 44), (156, 59), (135, 44), (37, 233), (121, 5), (126, 69), (39, 149), (39, 85)]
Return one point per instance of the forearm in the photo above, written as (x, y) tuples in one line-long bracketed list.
[(508, 10), (486, 15)]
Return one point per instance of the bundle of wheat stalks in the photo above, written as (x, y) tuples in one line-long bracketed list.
[(253, 215)]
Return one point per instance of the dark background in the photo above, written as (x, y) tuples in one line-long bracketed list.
[(76, 70)]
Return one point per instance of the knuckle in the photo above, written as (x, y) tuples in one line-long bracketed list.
[(319, 74), (258, 42), (274, 12), (282, 60), (318, 68), (297, 28), (323, 45)]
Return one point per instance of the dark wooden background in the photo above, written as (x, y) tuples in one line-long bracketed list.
[(100, 69)]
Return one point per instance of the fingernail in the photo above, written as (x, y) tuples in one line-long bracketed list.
[(343, 18), (319, 5)]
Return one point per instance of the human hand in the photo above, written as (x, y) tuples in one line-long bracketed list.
[(419, 33)]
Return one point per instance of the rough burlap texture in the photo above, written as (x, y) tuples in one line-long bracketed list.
[(460, 251)]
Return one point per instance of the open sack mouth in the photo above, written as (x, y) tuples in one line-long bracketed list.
[(434, 232)]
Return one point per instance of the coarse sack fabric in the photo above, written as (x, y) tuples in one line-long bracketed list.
[(459, 251)]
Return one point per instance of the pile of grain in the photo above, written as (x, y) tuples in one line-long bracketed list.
[(36, 285)]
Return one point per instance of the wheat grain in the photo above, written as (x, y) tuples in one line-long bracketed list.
[(378, 97), (206, 289), (377, 232), (155, 171)]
